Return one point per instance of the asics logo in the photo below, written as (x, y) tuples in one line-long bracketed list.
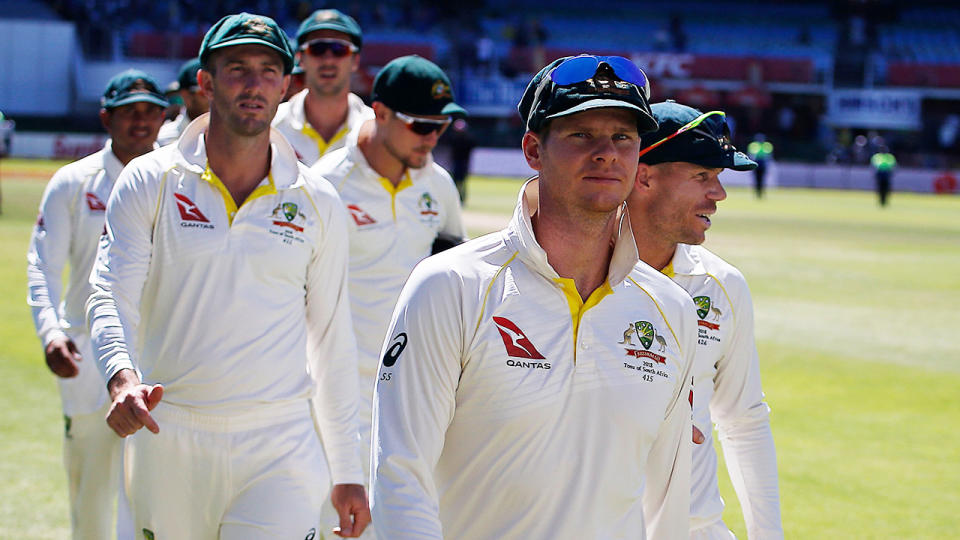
[(189, 210), (517, 343), (393, 353)]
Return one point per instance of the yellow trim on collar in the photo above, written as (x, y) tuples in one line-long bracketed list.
[(668, 270), (229, 204), (393, 190), (577, 306), (323, 145)]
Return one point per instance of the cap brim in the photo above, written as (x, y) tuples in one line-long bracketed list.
[(740, 162), (645, 123), (453, 110), (138, 97)]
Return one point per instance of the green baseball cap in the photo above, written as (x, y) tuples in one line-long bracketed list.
[(331, 19), (187, 78), (414, 85), (247, 29), (132, 86), (707, 144), (544, 99)]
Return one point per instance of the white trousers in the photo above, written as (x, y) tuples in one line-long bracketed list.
[(91, 456), (261, 475)]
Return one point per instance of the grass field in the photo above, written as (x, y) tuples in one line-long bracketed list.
[(856, 309)]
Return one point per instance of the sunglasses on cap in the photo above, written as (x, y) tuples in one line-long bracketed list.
[(338, 47), (582, 68), (693, 126), (423, 126)]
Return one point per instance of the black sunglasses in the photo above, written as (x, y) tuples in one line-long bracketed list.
[(338, 47), (422, 126)]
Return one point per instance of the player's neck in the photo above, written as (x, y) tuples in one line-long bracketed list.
[(326, 114), (653, 251), (241, 163), (378, 157), (572, 245)]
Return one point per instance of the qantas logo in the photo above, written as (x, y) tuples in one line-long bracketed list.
[(95, 203), (359, 216), (517, 343), (189, 210)]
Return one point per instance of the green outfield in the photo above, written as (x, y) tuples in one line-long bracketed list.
[(855, 313)]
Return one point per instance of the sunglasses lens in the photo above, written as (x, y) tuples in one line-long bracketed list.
[(319, 48), (626, 70), (423, 128), (575, 70)]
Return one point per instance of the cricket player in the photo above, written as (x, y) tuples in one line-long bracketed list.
[(70, 223), (325, 115), (194, 103), (398, 198), (535, 381), (677, 191), (221, 319)]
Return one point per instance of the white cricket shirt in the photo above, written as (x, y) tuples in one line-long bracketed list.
[(170, 131), (392, 228), (230, 308), (507, 408), (68, 228), (291, 121), (727, 391)]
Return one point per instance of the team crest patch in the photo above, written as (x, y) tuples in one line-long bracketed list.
[(703, 305), (325, 15), (257, 26), (290, 220), (148, 534), (427, 204), (440, 90), (647, 335), (646, 360)]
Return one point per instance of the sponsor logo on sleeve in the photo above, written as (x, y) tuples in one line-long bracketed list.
[(392, 354), (518, 345), (94, 203)]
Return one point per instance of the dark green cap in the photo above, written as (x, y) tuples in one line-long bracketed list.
[(414, 85), (331, 19), (132, 86), (545, 100), (247, 29), (187, 79), (707, 145)]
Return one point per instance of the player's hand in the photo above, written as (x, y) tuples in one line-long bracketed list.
[(350, 500), (132, 403), (698, 437), (62, 357)]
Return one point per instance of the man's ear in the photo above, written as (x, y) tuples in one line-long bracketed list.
[(105, 119), (205, 79), (644, 172), (532, 149)]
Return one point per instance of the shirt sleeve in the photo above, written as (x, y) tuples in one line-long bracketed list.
[(47, 256), (666, 496), (332, 349), (120, 270), (414, 404), (454, 223), (743, 420)]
